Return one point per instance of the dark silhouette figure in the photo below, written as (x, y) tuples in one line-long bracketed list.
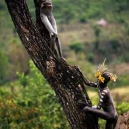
[(109, 112), (49, 21)]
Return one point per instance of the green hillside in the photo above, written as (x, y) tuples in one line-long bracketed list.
[(84, 10), (79, 34), (70, 11)]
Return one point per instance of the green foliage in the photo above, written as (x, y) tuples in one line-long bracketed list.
[(3, 67), (31, 104), (77, 47), (97, 31), (123, 80), (94, 11), (90, 57), (125, 57), (15, 113), (120, 5), (122, 108), (114, 44), (80, 11), (104, 42), (88, 9), (83, 19)]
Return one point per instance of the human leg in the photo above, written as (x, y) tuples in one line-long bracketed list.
[(101, 114)]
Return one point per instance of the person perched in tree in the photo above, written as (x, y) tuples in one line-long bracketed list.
[(109, 112), (49, 22)]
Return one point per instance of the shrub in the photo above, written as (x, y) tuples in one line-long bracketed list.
[(115, 44), (122, 107), (90, 57), (77, 47), (31, 104), (123, 80)]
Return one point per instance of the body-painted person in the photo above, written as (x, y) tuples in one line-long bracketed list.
[(109, 112), (49, 22)]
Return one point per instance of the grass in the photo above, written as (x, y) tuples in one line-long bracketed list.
[(121, 94), (85, 32)]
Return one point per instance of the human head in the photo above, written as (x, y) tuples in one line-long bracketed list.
[(106, 76), (103, 75)]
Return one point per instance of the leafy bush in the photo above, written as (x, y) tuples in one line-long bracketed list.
[(123, 80), (90, 57), (83, 19), (31, 104), (77, 47), (18, 114), (122, 108), (115, 44)]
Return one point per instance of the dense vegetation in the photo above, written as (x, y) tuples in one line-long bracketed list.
[(82, 11), (81, 34), (28, 103)]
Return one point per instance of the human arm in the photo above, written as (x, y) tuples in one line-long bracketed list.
[(88, 83)]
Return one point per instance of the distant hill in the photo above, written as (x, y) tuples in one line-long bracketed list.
[(78, 33), (82, 10)]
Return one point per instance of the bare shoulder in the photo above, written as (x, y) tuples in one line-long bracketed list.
[(105, 91)]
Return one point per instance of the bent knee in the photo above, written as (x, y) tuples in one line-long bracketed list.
[(112, 117)]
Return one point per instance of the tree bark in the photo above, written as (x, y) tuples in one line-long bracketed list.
[(123, 121), (67, 81)]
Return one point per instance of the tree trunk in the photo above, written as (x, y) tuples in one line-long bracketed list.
[(67, 81), (123, 121)]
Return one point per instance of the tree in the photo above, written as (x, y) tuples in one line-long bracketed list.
[(67, 81)]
